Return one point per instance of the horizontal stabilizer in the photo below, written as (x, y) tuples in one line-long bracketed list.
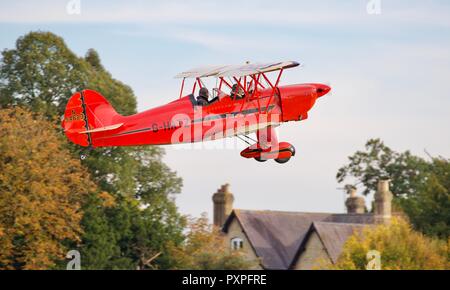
[(102, 129)]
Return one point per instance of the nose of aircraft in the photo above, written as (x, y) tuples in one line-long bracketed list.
[(322, 89)]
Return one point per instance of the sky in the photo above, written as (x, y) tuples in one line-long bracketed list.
[(388, 63)]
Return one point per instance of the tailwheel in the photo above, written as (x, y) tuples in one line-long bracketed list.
[(282, 160), (84, 153)]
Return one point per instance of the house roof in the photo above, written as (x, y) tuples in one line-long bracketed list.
[(333, 236), (276, 236)]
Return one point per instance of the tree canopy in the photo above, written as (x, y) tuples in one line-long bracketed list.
[(421, 187), (42, 188), (406, 171), (399, 246)]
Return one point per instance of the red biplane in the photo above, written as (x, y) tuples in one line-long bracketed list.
[(246, 99)]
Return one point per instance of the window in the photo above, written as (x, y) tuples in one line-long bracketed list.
[(237, 244)]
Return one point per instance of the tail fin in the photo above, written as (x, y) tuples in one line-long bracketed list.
[(88, 112)]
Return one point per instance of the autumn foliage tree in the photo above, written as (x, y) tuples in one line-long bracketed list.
[(41, 192), (204, 249), (400, 248)]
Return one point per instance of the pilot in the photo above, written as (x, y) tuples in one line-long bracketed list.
[(237, 91), (203, 95)]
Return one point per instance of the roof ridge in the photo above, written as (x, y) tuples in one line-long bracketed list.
[(282, 211), (339, 223)]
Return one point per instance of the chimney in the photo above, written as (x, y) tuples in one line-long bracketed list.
[(223, 204), (355, 204), (383, 202)]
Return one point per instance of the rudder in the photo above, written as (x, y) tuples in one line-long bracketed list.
[(88, 112)]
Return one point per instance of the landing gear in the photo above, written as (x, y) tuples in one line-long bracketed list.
[(267, 147), (282, 153)]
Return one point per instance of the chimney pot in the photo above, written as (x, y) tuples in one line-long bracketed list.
[(355, 204)]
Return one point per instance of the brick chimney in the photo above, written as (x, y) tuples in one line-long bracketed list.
[(355, 204), (383, 202), (223, 204)]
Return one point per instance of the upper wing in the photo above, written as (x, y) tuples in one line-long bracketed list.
[(201, 72), (236, 70)]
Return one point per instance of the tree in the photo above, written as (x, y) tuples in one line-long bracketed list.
[(429, 208), (119, 233), (205, 249), (93, 59), (41, 191), (400, 248), (421, 187), (406, 171), (99, 247), (151, 229), (42, 73)]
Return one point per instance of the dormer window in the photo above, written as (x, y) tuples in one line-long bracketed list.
[(236, 244)]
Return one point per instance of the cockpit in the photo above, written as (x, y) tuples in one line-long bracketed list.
[(205, 98), (235, 82)]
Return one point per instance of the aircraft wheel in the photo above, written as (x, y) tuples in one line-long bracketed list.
[(259, 159), (282, 160)]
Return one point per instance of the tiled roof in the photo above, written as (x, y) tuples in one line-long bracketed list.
[(334, 236), (276, 236)]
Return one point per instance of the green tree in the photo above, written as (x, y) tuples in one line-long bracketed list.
[(41, 72), (93, 59), (400, 248), (42, 188), (407, 172), (429, 208), (145, 232), (99, 248), (421, 187)]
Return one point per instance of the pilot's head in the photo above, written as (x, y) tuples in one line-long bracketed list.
[(236, 89), (203, 93)]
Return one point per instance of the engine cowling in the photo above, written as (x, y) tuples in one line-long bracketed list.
[(297, 100)]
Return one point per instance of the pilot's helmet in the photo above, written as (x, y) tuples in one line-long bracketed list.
[(203, 92)]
